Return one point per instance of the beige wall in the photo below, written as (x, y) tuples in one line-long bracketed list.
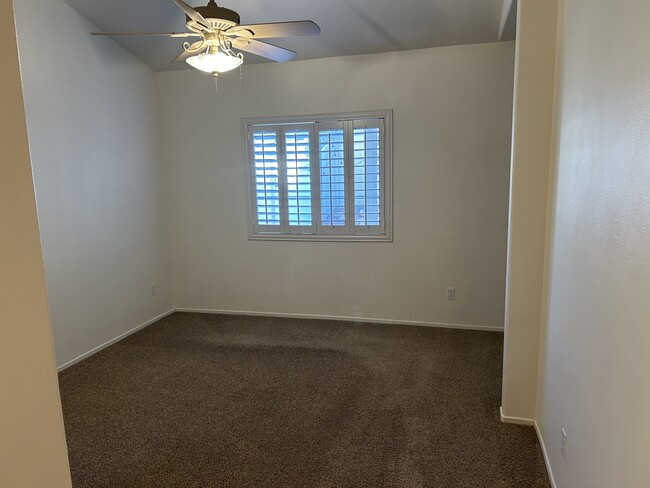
[(452, 114), (532, 123), (32, 442), (594, 374), (92, 118)]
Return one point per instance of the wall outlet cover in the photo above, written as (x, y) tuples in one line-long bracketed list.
[(451, 293)]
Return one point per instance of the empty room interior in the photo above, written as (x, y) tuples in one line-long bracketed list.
[(355, 243)]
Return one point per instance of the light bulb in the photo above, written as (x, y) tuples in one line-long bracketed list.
[(217, 62)]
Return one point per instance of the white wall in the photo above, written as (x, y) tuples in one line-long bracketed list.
[(452, 114), (32, 442), (93, 127), (531, 155), (594, 368)]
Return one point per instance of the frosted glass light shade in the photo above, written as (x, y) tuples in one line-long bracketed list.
[(215, 62)]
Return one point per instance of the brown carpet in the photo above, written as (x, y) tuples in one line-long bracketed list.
[(229, 401)]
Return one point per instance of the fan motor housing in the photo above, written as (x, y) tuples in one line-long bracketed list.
[(212, 11)]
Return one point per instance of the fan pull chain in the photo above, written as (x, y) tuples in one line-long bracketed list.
[(216, 83)]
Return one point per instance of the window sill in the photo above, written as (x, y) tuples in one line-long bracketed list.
[(319, 238)]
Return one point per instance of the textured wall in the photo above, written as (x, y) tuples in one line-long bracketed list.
[(594, 377), (32, 442), (452, 123), (93, 127), (531, 154)]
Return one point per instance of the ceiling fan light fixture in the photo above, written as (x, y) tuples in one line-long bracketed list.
[(219, 31), (215, 62)]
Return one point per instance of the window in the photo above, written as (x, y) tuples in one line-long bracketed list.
[(320, 177)]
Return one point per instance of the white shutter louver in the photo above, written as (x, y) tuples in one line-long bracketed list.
[(332, 182), (368, 179), (297, 152), (267, 178)]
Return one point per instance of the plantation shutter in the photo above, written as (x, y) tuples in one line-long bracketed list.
[(332, 178), (326, 178), (298, 177), (264, 148), (367, 173)]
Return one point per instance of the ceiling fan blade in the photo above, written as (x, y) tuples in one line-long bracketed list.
[(263, 49), (192, 50), (162, 34), (275, 29), (193, 14)]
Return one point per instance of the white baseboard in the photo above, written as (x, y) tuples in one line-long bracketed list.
[(532, 422), (549, 470), (113, 341), (274, 314), (506, 419), (343, 318)]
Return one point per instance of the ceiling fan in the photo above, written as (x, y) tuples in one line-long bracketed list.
[(220, 34)]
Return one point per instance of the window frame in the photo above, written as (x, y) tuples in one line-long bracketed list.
[(323, 233)]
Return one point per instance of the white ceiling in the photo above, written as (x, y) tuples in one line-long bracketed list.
[(348, 26)]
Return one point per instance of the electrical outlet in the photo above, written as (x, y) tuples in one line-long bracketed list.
[(451, 293), (563, 444), (153, 290)]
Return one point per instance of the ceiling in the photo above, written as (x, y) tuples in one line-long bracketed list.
[(348, 26)]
